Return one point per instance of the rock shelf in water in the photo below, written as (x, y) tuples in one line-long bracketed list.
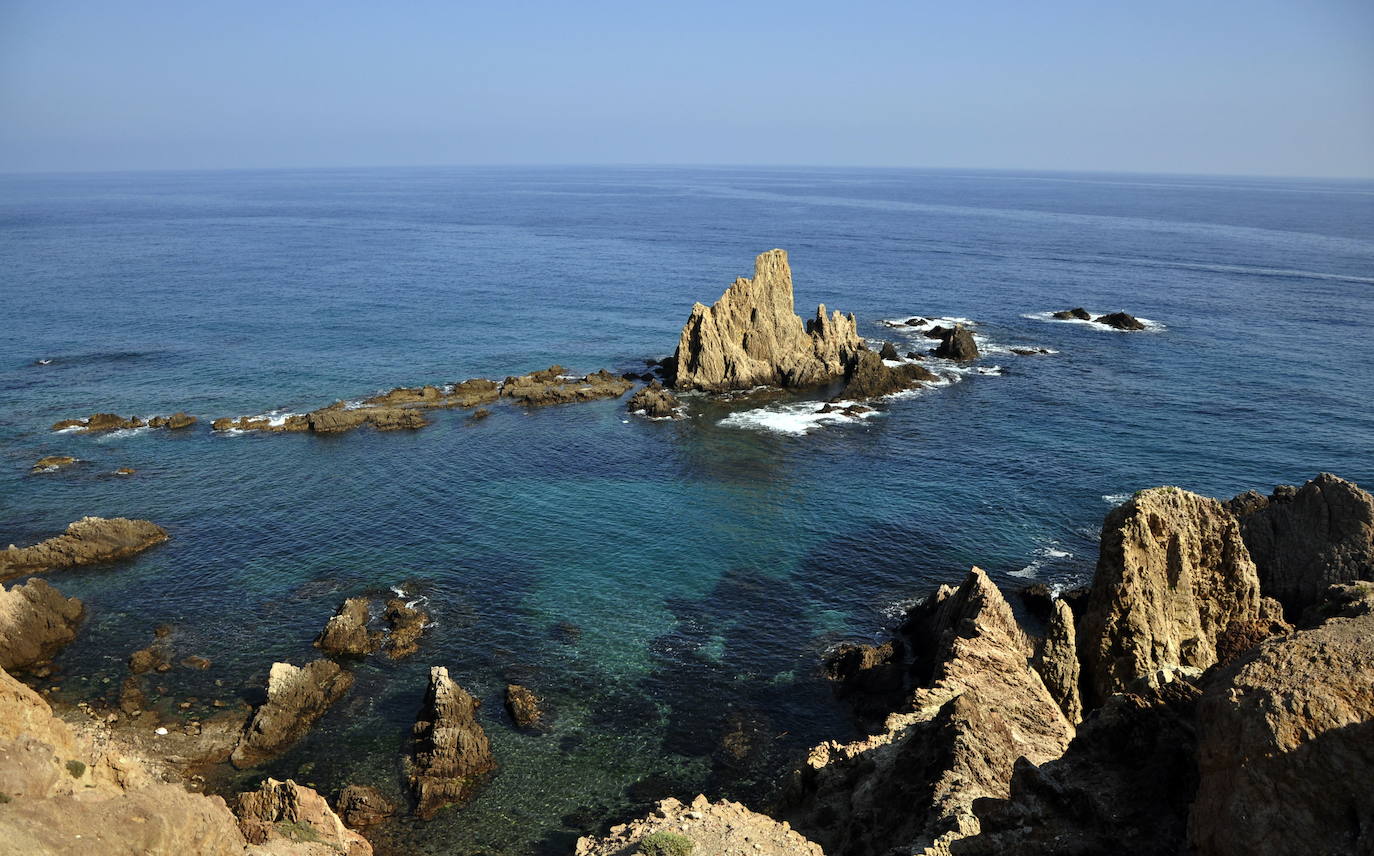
[(86, 541)]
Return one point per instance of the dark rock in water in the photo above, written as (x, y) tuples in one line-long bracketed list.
[(957, 344), (667, 369), (827, 408), (175, 422), (654, 401), (869, 377), (1305, 539), (195, 661), (407, 624), (939, 331), (296, 697), (1120, 321), (1079, 313), (347, 633), (87, 541), (1039, 600), (361, 806), (857, 410), (450, 753), (912, 355), (871, 677), (1027, 352), (149, 659), (888, 352), (36, 621), (132, 699), (523, 706), (915, 322)]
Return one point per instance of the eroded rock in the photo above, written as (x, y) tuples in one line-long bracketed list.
[(869, 377), (286, 811), (553, 386), (524, 707), (52, 463), (707, 829), (1056, 659), (450, 754), (347, 633), (1078, 313), (87, 541), (36, 621), (957, 343), (296, 698), (654, 401), (406, 622), (361, 806), (1120, 321)]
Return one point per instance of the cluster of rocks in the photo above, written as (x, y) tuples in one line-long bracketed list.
[(86, 541), (656, 402), (348, 632), (1117, 320), (98, 422)]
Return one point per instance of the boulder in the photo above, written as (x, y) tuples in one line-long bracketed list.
[(175, 422), (36, 621), (869, 377), (655, 401), (753, 337), (1172, 575), (347, 633), (889, 352), (1286, 746), (524, 707), (87, 541), (1120, 321), (286, 811), (406, 623), (99, 422), (296, 698), (911, 787), (1307, 539), (1056, 659), (703, 828), (1079, 313), (450, 754), (957, 344), (361, 806)]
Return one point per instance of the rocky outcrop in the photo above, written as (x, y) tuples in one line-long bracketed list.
[(703, 828), (889, 352), (52, 463), (524, 707), (1120, 321), (406, 623), (655, 402), (87, 541), (753, 337), (912, 786), (553, 386), (1172, 575), (1056, 659), (869, 377), (1286, 746), (1306, 539), (450, 755), (957, 344), (347, 633), (336, 419), (286, 811), (175, 422), (97, 422), (36, 621), (361, 806), (296, 698), (1078, 313)]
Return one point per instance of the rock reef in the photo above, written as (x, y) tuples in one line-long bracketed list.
[(87, 541), (98, 422), (752, 337), (296, 698), (450, 755)]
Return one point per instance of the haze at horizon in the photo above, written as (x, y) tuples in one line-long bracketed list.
[(1268, 88)]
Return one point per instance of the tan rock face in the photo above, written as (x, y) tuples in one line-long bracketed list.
[(450, 755), (1172, 575), (291, 812), (523, 706), (296, 698), (361, 806), (752, 336), (36, 621), (347, 633), (711, 828), (1304, 540), (87, 541), (405, 624), (913, 785), (1286, 747), (1056, 659)]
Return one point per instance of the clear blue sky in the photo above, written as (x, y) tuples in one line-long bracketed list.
[(1280, 87)]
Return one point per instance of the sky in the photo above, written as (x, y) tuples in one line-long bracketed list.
[(1262, 87)]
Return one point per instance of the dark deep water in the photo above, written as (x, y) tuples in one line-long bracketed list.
[(707, 562)]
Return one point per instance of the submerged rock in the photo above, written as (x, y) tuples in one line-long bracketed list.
[(99, 422), (704, 829), (87, 541), (753, 337), (450, 754), (523, 706), (287, 812), (347, 633), (36, 621), (1307, 539), (1172, 575), (296, 698), (1078, 313), (1120, 321), (654, 401), (957, 344)]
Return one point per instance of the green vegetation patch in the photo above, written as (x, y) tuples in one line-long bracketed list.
[(76, 768), (294, 830), (665, 844), (4, 798)]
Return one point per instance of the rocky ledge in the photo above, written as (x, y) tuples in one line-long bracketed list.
[(98, 422), (87, 541)]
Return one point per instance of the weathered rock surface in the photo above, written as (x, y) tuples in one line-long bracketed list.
[(957, 344), (1120, 321), (889, 351), (296, 698), (712, 828), (87, 541), (1056, 659), (1307, 539), (1078, 313), (52, 463), (336, 419), (113, 422), (1286, 746), (406, 623), (450, 754), (347, 633), (869, 377), (655, 401), (753, 337), (36, 621), (523, 706), (286, 811), (175, 422), (361, 806), (553, 386), (1172, 575), (910, 789)]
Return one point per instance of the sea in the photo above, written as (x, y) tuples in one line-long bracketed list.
[(669, 588)]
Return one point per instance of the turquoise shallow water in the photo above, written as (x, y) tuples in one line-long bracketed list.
[(707, 562)]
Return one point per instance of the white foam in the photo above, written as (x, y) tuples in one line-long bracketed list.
[(1046, 553), (70, 430), (793, 419), (1150, 326), (122, 432), (399, 592), (1115, 498)]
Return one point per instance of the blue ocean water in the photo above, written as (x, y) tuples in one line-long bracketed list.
[(706, 562)]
